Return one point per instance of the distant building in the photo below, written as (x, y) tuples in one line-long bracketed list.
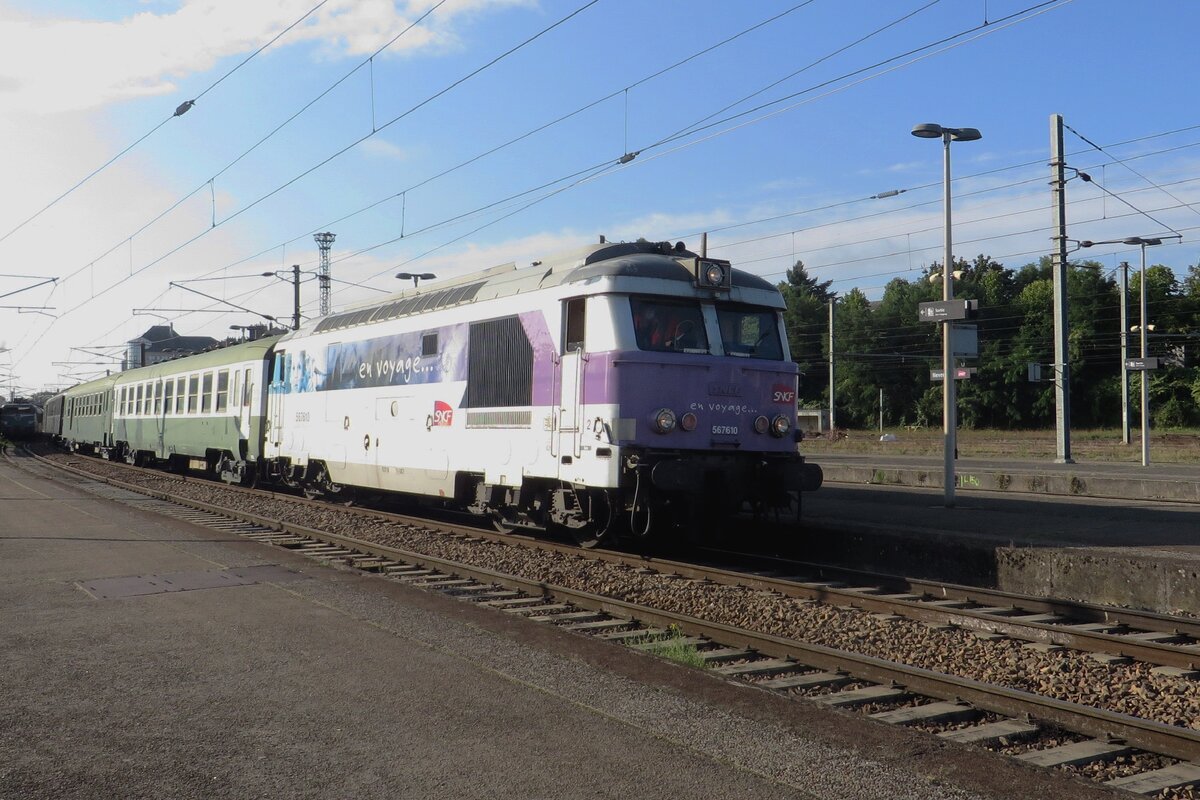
[(161, 343)]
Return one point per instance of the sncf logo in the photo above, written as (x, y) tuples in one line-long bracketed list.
[(782, 394), (443, 414)]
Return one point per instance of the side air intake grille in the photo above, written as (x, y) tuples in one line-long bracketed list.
[(500, 373)]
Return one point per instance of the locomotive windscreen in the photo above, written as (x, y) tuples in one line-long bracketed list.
[(500, 372)]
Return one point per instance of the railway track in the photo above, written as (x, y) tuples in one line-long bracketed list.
[(1157, 757)]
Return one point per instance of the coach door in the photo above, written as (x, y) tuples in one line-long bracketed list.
[(160, 416), (275, 398), (571, 378), (244, 389)]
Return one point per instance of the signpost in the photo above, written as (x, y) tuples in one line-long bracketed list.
[(946, 310), (960, 374), (1141, 364)]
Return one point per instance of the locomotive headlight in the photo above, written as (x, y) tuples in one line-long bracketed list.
[(688, 421), (712, 274), (780, 426), (664, 420), (761, 424)]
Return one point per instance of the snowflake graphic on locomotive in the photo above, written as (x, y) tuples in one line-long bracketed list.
[(623, 390)]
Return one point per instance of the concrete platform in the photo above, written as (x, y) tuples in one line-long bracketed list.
[(300, 680), (1132, 548), (1174, 482)]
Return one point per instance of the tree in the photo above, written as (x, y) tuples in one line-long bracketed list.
[(806, 320)]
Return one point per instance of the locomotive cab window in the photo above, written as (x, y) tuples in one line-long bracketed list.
[(749, 332), (574, 324), (668, 326)]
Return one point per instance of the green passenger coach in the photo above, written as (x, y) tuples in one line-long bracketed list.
[(203, 412)]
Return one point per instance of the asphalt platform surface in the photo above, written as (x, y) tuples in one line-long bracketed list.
[(288, 678), (1110, 533)]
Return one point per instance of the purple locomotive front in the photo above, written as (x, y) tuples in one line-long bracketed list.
[(697, 393)]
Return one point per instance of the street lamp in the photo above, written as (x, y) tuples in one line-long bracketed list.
[(1143, 242), (930, 130), (417, 277), (296, 293)]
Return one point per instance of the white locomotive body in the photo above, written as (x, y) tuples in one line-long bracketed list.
[(533, 396)]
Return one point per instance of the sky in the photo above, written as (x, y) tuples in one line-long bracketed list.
[(447, 137)]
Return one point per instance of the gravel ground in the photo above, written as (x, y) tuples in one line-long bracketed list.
[(1067, 675)]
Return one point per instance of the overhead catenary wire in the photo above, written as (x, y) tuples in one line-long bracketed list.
[(218, 223), (180, 110), (1123, 163)]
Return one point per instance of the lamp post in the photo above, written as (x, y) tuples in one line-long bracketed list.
[(417, 277), (296, 293), (1145, 377), (947, 135), (1143, 242)]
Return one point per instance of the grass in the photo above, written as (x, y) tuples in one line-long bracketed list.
[(1174, 446), (673, 647)]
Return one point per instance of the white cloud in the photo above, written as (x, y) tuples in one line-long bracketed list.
[(384, 149), (56, 65)]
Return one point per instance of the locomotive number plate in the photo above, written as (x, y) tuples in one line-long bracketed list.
[(725, 430)]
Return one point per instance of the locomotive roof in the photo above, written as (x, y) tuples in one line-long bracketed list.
[(641, 260)]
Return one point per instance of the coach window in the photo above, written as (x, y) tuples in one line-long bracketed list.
[(193, 404), (574, 324), (206, 387), (429, 344), (180, 396), (137, 406), (169, 397), (222, 391), (158, 397)]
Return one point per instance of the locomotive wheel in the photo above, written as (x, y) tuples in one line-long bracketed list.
[(587, 537)]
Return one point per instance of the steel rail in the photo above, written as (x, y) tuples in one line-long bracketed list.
[(1087, 612), (1156, 737), (1086, 641)]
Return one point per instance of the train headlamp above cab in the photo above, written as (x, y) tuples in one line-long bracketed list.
[(712, 273)]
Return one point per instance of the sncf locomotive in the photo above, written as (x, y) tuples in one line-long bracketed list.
[(626, 389), (18, 420)]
